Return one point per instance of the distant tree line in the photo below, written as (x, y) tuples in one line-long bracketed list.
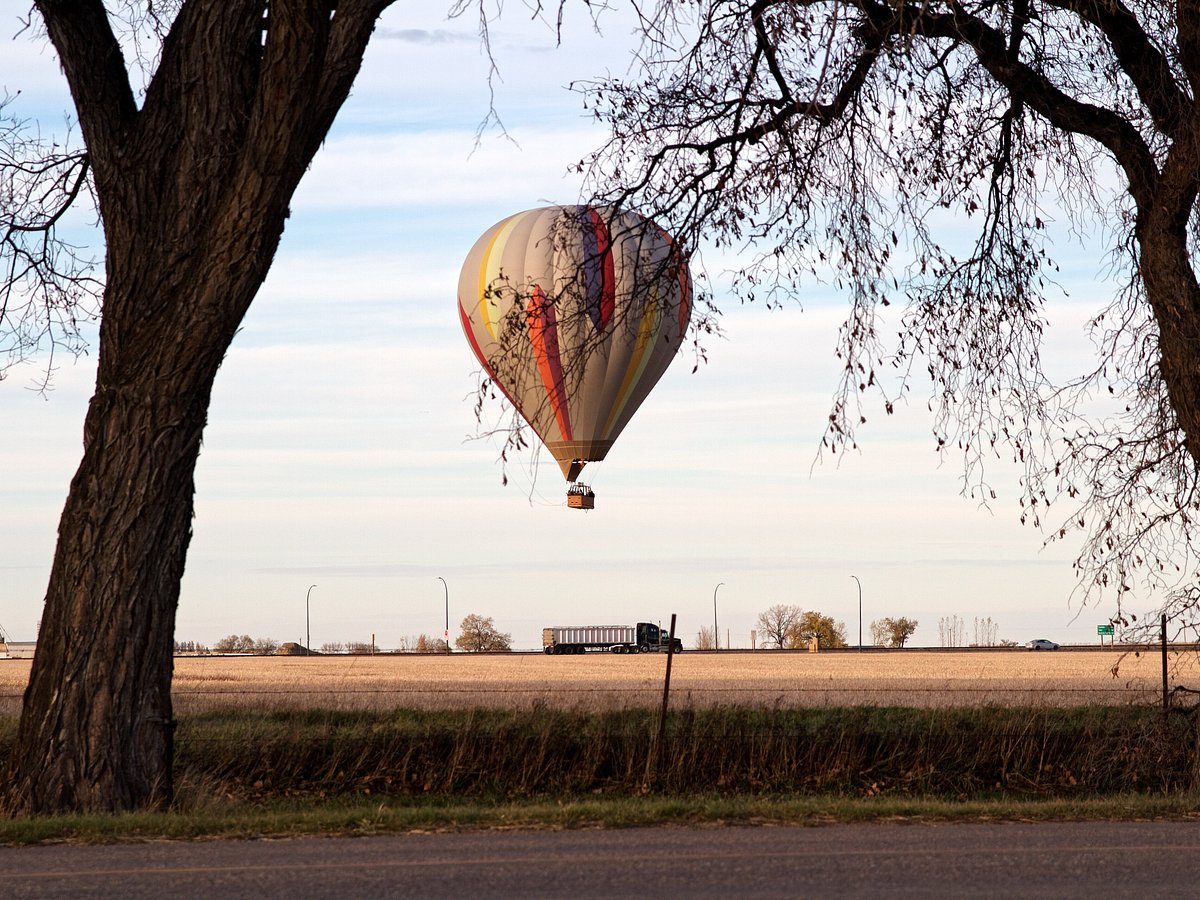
[(243, 643), (952, 632), (477, 634), (421, 643), (786, 625)]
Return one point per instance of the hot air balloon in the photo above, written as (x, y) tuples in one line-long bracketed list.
[(575, 312)]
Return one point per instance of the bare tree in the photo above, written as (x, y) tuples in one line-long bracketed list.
[(243, 643), (879, 633), (191, 177), (951, 631), (234, 643), (914, 152), (986, 632), (777, 623), (704, 638), (48, 288)]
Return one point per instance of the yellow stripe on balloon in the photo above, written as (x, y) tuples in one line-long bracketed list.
[(642, 352), (489, 272)]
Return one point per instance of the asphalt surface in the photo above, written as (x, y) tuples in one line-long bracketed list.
[(1097, 860)]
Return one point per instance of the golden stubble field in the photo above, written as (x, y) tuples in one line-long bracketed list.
[(607, 681)]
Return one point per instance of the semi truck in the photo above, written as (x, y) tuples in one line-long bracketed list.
[(640, 638)]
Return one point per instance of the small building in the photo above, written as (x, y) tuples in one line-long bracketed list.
[(17, 649)]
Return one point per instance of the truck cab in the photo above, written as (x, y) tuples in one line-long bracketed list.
[(651, 637)]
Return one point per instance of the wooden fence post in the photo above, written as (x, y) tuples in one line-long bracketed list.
[(1166, 695), (660, 739), (662, 718)]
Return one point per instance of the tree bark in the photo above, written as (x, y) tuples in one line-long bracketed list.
[(97, 733), (1174, 295), (193, 191), (96, 729)]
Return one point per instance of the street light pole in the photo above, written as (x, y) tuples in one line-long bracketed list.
[(859, 583), (716, 638), (446, 636), (307, 633)]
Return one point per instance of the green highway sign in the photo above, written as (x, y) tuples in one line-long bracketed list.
[(1104, 629)]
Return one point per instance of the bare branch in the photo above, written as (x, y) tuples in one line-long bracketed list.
[(48, 289), (917, 153)]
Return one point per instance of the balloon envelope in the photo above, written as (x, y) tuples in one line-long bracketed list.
[(575, 312)]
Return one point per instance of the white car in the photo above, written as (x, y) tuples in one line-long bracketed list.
[(1042, 644)]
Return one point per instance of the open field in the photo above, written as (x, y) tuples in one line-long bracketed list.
[(605, 681), (448, 738)]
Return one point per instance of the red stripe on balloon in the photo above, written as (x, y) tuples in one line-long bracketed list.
[(685, 292), (608, 284), (469, 331), (543, 332), (491, 373)]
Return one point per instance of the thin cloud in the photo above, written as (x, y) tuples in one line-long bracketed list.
[(425, 36)]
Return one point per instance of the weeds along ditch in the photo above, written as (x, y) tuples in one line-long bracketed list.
[(855, 751)]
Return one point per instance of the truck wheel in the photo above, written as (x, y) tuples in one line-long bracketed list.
[(645, 648)]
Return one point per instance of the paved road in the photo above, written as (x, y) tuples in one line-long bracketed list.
[(1095, 860)]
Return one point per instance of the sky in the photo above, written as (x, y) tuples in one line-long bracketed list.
[(343, 487)]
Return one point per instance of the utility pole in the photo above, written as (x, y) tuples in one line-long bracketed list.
[(716, 636), (307, 632), (446, 634), (859, 583)]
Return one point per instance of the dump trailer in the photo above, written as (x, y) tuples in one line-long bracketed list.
[(640, 638)]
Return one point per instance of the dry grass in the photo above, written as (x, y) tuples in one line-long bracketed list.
[(605, 681)]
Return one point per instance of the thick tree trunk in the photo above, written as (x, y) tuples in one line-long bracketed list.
[(1178, 316), (193, 189), (97, 729), (1174, 296)]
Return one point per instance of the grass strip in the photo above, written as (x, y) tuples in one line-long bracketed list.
[(243, 773), (354, 817), (856, 751)]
